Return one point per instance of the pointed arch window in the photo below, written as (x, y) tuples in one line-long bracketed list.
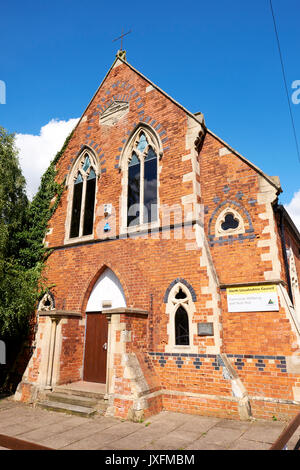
[(180, 301), (142, 187), (182, 335), (83, 197)]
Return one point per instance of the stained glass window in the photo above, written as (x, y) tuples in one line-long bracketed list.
[(133, 203), (78, 179), (84, 189), (142, 144), (89, 203), (150, 187), (76, 209), (92, 174), (142, 183), (86, 164)]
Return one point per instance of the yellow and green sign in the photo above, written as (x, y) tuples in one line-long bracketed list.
[(261, 298)]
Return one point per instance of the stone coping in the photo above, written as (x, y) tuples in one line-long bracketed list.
[(253, 283), (59, 313), (123, 310)]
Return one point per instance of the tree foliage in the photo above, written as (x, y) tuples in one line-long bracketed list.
[(23, 226), (13, 199), (40, 210)]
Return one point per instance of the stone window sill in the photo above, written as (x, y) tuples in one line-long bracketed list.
[(140, 228), (69, 241)]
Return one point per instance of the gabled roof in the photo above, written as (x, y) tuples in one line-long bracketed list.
[(198, 117)]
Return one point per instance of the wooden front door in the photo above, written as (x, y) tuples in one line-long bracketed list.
[(95, 348)]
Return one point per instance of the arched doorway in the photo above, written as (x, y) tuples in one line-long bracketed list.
[(107, 292)]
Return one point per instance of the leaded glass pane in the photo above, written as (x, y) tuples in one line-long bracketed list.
[(78, 179), (134, 160), (133, 201), (142, 143), (150, 187), (76, 209), (89, 206), (92, 174), (182, 336), (150, 154), (86, 164)]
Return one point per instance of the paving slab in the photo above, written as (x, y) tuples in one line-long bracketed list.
[(165, 431), (145, 435), (44, 432), (145, 439), (234, 424), (220, 437), (131, 442), (177, 418), (6, 403), (243, 444), (75, 434), (16, 429), (11, 414), (201, 444), (264, 431), (199, 424), (176, 440), (94, 442)]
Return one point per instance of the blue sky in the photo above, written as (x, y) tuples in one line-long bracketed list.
[(217, 57)]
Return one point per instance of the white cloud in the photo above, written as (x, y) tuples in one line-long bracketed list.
[(36, 151), (293, 209)]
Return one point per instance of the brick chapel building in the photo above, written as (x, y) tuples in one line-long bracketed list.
[(175, 270)]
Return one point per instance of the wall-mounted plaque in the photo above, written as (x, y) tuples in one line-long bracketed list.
[(205, 329)]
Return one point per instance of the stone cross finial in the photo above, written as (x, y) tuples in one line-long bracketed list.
[(121, 53)]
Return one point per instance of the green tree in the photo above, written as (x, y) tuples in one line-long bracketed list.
[(23, 226), (39, 212), (13, 199), (18, 284)]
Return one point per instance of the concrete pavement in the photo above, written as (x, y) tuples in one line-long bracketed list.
[(165, 431)]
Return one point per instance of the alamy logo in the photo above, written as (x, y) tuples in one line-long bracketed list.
[(2, 92), (2, 352), (296, 94)]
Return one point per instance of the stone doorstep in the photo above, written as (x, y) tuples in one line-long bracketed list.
[(83, 411), (79, 391), (72, 399)]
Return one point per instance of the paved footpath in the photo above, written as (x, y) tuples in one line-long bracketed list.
[(165, 431)]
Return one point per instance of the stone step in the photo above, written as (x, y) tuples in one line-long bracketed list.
[(72, 399), (69, 408), (80, 393)]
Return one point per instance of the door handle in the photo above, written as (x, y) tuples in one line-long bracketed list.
[(104, 346)]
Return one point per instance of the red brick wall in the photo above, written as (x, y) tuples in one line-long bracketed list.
[(146, 266), (228, 178), (173, 122)]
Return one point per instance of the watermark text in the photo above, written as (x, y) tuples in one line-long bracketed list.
[(2, 92), (296, 94)]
